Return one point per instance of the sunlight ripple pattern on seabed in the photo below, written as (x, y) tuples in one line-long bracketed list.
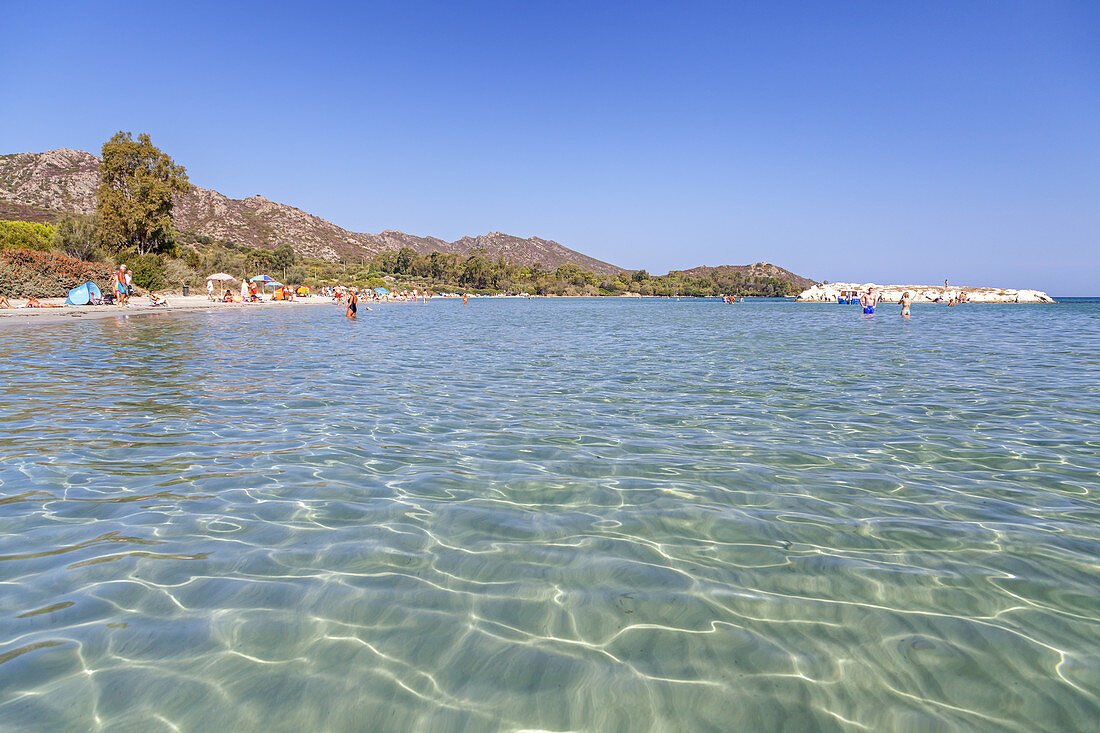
[(571, 515)]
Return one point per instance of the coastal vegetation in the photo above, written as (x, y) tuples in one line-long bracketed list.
[(26, 235), (133, 224), (28, 273), (481, 273), (451, 272), (187, 258)]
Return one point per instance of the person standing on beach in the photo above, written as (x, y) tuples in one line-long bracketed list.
[(244, 289), (210, 290), (906, 302), (121, 289), (868, 300)]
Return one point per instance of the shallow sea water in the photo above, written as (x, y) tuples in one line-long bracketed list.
[(553, 515)]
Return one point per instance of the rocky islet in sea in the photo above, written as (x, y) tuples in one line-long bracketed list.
[(830, 292)]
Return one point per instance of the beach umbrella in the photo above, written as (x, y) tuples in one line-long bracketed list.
[(382, 291), (273, 284), (222, 278), (263, 279)]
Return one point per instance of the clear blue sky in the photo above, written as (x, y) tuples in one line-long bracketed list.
[(895, 142)]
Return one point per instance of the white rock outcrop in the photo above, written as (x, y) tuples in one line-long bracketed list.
[(924, 293)]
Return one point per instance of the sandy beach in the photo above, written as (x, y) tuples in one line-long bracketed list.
[(176, 304)]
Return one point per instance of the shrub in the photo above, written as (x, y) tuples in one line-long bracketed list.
[(29, 273), (147, 269), (295, 274), (75, 236), (177, 273), (26, 235)]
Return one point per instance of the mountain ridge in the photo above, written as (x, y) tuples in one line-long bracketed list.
[(41, 186)]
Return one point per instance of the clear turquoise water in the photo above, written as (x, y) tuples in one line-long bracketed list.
[(555, 515)]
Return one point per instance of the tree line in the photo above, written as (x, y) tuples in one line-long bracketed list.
[(481, 272)]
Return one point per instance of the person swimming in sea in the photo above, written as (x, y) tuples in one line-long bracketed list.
[(906, 302), (868, 300)]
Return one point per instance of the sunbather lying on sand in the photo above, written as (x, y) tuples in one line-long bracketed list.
[(156, 300), (36, 303)]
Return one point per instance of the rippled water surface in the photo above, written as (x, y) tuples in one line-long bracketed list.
[(553, 515)]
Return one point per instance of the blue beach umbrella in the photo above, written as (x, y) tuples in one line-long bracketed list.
[(271, 284), (263, 279), (382, 291)]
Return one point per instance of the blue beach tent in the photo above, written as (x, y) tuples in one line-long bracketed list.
[(382, 291), (84, 294)]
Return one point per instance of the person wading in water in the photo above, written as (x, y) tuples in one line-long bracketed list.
[(868, 300)]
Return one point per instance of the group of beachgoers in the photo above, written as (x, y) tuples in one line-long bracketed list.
[(351, 295), (341, 292), (250, 293), (872, 297), (122, 285), (122, 288)]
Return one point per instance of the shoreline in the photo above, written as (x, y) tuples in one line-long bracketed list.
[(176, 304), (199, 304)]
